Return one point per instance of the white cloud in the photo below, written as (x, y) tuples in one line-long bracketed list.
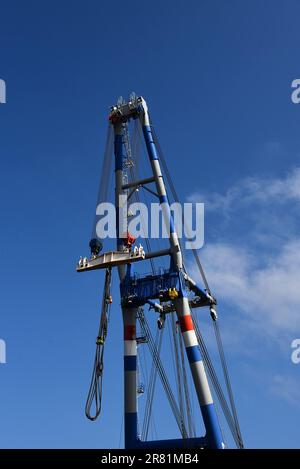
[(252, 191), (287, 388), (268, 295), (250, 272)]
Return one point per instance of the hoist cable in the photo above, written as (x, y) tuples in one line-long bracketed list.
[(150, 392), (136, 196), (95, 391), (164, 379), (215, 382), (187, 402), (178, 371), (152, 382), (105, 174), (190, 423), (134, 175), (173, 404), (227, 382)]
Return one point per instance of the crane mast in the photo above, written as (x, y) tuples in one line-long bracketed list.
[(165, 291)]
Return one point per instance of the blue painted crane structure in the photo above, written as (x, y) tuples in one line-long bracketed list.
[(168, 291)]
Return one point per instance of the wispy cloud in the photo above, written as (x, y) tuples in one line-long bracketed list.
[(287, 388), (253, 190), (246, 268), (267, 293)]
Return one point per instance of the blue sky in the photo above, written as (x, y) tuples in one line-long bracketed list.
[(217, 77)]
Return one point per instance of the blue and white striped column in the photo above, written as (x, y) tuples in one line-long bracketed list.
[(130, 377), (129, 314), (160, 187), (213, 431)]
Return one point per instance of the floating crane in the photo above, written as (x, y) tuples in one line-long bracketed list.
[(169, 292)]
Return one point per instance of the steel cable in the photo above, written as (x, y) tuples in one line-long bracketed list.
[(95, 390)]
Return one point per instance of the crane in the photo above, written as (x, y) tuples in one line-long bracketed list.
[(169, 292)]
